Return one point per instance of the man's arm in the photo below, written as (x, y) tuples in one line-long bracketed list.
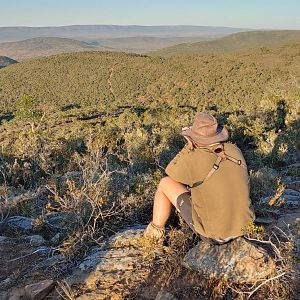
[(179, 168)]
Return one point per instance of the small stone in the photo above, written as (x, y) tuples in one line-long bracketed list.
[(265, 200), (51, 262), (19, 223), (4, 295), (165, 296), (43, 250), (35, 240), (295, 185), (95, 295), (72, 175), (16, 293), (290, 179), (288, 219), (6, 283), (238, 261), (61, 220), (290, 197), (40, 290), (4, 239), (291, 192), (56, 239), (264, 220)]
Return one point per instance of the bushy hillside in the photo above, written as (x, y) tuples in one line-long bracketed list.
[(231, 82), (6, 61), (234, 42)]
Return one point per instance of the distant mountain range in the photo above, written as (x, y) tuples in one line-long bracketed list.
[(45, 46), (6, 61), (235, 42), (94, 32)]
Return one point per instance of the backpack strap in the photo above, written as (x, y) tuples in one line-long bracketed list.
[(210, 173), (236, 161), (221, 156)]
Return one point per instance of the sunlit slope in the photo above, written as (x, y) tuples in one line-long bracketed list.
[(235, 42), (106, 80)]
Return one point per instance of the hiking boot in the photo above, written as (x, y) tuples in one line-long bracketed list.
[(155, 233)]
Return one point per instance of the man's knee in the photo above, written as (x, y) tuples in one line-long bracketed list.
[(165, 181)]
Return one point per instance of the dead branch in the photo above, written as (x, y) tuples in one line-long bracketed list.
[(263, 283)]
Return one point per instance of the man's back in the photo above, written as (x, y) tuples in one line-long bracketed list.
[(221, 205)]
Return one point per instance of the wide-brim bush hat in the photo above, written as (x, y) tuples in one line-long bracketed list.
[(206, 130)]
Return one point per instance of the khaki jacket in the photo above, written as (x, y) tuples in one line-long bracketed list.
[(221, 206)]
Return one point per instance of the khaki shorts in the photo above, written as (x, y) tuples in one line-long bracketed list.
[(184, 207)]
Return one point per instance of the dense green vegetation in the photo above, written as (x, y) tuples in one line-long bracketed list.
[(108, 80), (127, 102), (235, 42)]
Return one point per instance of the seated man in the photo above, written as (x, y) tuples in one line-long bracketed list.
[(207, 183)]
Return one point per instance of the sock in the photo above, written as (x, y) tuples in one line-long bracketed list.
[(157, 226)]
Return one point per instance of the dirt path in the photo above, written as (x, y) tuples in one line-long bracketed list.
[(109, 83)]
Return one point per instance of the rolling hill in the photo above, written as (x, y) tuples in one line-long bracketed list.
[(144, 44), (44, 46), (107, 79), (234, 42), (6, 61)]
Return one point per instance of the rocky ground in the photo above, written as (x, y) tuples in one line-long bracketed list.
[(125, 266)]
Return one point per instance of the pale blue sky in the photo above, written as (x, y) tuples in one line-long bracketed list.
[(236, 13)]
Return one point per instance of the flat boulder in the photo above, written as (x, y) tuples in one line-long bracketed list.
[(238, 261), (112, 270)]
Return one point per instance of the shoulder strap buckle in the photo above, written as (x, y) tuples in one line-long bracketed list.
[(216, 167)]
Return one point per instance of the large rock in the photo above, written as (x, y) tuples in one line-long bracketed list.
[(113, 269), (61, 221), (238, 261), (39, 290), (20, 224)]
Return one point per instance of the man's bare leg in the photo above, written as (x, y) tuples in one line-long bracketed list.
[(166, 195)]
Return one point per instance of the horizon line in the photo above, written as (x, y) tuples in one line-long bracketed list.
[(139, 25), (161, 25)]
